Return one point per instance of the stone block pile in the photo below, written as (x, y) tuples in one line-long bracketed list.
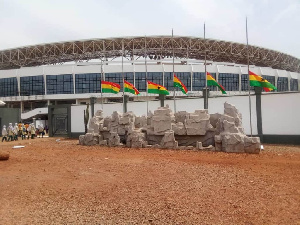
[(165, 129)]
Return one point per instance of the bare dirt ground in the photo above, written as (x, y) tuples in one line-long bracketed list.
[(61, 182)]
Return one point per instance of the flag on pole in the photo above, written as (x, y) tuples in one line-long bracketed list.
[(258, 81), (128, 87), (212, 82), (156, 88), (110, 87), (178, 83)]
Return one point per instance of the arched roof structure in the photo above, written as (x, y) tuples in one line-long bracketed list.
[(157, 47)]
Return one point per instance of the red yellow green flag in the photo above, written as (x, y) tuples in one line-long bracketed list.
[(212, 82), (178, 83), (258, 81), (128, 87), (110, 87), (156, 88)]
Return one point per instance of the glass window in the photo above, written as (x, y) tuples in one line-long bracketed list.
[(271, 79), (88, 83), (185, 78), (33, 85), (199, 81), (140, 81), (229, 81), (282, 84), (294, 84), (155, 77), (60, 84), (117, 78), (245, 83), (9, 87)]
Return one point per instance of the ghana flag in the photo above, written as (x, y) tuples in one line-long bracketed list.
[(110, 87), (128, 87), (178, 83), (156, 88), (212, 82), (258, 81)]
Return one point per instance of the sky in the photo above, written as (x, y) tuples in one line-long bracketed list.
[(272, 24)]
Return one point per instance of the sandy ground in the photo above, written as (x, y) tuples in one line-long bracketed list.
[(61, 182)]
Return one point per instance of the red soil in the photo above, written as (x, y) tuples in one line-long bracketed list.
[(61, 182)]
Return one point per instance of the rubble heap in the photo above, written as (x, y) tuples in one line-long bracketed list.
[(164, 129)]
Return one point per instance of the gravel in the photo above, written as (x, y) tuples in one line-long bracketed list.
[(51, 182)]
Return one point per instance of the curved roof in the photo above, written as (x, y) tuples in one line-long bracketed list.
[(156, 47)]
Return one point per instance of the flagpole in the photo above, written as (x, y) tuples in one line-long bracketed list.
[(173, 72), (145, 53), (123, 76), (206, 97), (248, 77), (101, 83)]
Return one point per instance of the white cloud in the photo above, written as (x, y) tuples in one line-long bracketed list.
[(272, 24)]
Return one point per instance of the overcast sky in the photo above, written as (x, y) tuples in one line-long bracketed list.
[(273, 24)]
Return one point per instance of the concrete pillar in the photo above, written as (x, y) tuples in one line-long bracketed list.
[(126, 98), (162, 100), (92, 103), (205, 93), (21, 106), (258, 91)]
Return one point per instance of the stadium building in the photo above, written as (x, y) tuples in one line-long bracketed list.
[(33, 78)]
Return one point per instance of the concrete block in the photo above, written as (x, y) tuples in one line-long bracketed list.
[(114, 139), (81, 139), (199, 145), (103, 143), (168, 141), (179, 128), (233, 143), (252, 145)]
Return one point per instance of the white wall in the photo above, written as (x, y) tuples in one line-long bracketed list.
[(281, 113), (77, 118), (216, 105)]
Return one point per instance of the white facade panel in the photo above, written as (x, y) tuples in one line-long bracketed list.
[(228, 69), (87, 69), (128, 68), (268, 71), (30, 71), (117, 68), (57, 70), (256, 70), (201, 68), (8, 73), (112, 68), (178, 68), (282, 73), (150, 68), (295, 75)]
